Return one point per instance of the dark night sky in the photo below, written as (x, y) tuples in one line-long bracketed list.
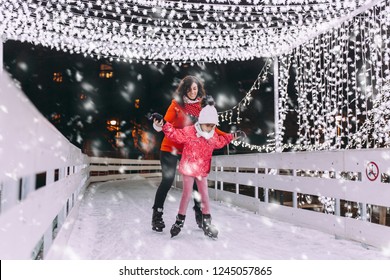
[(85, 119)]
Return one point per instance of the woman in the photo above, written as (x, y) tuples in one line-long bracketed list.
[(183, 111)]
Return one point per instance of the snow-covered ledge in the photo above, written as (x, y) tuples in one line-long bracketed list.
[(41, 176)]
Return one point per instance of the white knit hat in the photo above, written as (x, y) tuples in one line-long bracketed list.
[(208, 115)]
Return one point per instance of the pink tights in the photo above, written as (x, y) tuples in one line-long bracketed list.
[(188, 182)]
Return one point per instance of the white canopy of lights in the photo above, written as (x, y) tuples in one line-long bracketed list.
[(173, 31), (338, 103)]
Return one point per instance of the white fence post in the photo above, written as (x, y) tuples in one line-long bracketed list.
[(363, 211), (9, 194), (237, 185), (337, 205), (62, 173), (47, 240), (1, 57), (221, 180), (61, 217), (257, 185), (28, 186), (216, 180), (295, 194), (49, 176), (266, 197)]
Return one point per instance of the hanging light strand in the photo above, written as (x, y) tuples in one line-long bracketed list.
[(227, 115), (352, 110)]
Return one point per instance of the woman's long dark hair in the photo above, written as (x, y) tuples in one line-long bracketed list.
[(185, 86)]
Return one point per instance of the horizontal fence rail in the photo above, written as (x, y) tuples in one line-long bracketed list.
[(106, 169), (41, 177), (346, 193)]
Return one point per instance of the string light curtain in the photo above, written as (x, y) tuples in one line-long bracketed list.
[(342, 82), (283, 100), (171, 31), (233, 115)]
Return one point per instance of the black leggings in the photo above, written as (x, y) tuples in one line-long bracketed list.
[(168, 169)]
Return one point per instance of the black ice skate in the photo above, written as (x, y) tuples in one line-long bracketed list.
[(209, 229), (157, 220), (176, 227), (198, 216)]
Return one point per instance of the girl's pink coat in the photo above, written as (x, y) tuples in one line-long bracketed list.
[(197, 152)]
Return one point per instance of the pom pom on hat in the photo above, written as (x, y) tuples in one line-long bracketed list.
[(207, 100), (208, 114)]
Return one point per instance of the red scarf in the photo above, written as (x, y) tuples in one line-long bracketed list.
[(192, 109)]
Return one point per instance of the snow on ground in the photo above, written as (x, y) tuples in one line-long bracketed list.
[(114, 223)]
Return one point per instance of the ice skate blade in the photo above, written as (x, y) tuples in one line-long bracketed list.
[(174, 233), (158, 229), (214, 237)]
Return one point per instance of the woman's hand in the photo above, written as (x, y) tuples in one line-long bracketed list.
[(158, 123)]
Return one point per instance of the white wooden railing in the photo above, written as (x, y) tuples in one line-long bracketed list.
[(107, 169), (279, 184), (41, 177)]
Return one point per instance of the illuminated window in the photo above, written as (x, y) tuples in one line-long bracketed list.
[(136, 103), (57, 77), (106, 71), (55, 118), (113, 125)]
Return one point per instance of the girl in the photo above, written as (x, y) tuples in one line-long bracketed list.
[(199, 141)]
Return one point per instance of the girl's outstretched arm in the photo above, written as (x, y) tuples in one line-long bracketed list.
[(223, 140), (174, 134)]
